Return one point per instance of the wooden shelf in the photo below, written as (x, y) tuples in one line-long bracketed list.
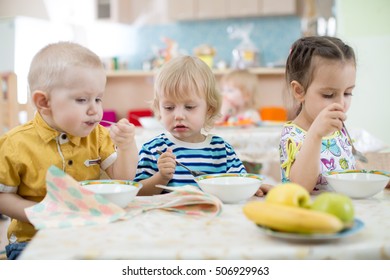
[(141, 73)]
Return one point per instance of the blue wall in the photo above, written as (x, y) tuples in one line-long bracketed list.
[(273, 37)]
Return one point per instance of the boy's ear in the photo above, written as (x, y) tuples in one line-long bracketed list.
[(41, 101), (297, 90)]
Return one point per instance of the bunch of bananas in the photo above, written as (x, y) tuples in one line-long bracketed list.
[(287, 208)]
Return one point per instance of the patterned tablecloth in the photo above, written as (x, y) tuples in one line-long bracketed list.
[(160, 234)]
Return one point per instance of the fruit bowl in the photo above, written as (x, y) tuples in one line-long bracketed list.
[(119, 192), (357, 183), (229, 187)]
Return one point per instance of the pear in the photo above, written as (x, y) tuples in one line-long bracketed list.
[(290, 194), (337, 204)]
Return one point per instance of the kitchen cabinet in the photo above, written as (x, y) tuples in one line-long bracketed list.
[(212, 9), (278, 7), (205, 9), (163, 11), (130, 90), (113, 10), (244, 8), (181, 9)]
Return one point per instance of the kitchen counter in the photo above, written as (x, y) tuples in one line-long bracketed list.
[(159, 234)]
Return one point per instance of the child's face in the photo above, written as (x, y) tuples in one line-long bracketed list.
[(185, 118), (233, 96), (333, 83), (76, 104)]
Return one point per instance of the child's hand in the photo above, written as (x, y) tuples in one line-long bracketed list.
[(328, 120), (166, 164), (263, 190), (228, 108), (122, 134)]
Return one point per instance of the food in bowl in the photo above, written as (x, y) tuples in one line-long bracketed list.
[(357, 183), (229, 187), (119, 192)]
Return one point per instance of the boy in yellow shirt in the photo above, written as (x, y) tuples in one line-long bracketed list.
[(67, 82)]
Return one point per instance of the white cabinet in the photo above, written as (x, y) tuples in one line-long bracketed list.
[(278, 7), (244, 8), (163, 11), (181, 9), (207, 9), (113, 10)]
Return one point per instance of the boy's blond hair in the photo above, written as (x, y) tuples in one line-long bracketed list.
[(50, 63), (246, 82), (187, 74)]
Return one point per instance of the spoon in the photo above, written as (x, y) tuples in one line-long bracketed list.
[(109, 122), (193, 172), (358, 155)]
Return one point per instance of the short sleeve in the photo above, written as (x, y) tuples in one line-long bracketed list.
[(9, 174), (290, 144)]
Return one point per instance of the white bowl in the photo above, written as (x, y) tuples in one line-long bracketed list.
[(120, 192), (150, 123), (357, 183), (229, 187)]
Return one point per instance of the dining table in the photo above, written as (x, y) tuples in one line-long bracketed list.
[(165, 235)]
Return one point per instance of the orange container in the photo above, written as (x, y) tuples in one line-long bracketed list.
[(273, 114)]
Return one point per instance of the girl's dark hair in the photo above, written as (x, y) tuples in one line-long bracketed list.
[(300, 66)]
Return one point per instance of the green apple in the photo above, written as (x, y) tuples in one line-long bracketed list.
[(337, 204), (289, 194)]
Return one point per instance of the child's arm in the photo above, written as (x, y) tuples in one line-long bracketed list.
[(166, 168), (306, 167), (13, 206), (125, 165)]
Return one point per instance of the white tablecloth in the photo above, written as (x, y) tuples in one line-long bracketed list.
[(163, 235)]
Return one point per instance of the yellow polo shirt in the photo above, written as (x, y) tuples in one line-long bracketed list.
[(27, 151)]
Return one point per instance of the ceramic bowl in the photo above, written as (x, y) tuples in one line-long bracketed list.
[(357, 183), (120, 192), (230, 188)]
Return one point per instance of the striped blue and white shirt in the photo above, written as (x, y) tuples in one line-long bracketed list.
[(212, 156)]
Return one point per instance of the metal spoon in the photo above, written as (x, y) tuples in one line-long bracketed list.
[(358, 155), (193, 172), (109, 122)]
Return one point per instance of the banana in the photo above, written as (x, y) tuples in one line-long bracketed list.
[(291, 218)]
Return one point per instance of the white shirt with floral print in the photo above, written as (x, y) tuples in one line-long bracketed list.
[(336, 152)]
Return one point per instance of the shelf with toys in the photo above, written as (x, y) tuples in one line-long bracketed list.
[(133, 89), (142, 73)]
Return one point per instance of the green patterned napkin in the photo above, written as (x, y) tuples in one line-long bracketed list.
[(66, 204)]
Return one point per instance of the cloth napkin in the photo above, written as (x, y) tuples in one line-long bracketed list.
[(185, 200), (66, 204)]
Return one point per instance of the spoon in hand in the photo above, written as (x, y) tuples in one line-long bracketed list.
[(358, 155), (193, 172)]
